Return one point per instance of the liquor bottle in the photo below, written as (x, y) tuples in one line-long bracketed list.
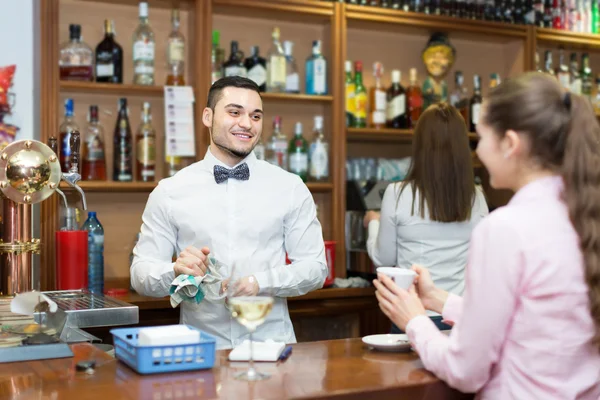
[(548, 13), (489, 10), (145, 145), (298, 153), (414, 99), (360, 98), (318, 154), (494, 80), (276, 64), (143, 49), (562, 71), (76, 59), (575, 76), (122, 149), (377, 99), (557, 18), (95, 253), (594, 19), (538, 9), (276, 151), (94, 161), (475, 103), (548, 63), (292, 79), (66, 128), (459, 98), (259, 149), (217, 57), (257, 68), (175, 52), (234, 66), (316, 71), (396, 103), (586, 77), (350, 89), (109, 57)]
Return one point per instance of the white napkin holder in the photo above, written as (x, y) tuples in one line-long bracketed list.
[(268, 350)]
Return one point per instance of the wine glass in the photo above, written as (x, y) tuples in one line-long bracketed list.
[(249, 310)]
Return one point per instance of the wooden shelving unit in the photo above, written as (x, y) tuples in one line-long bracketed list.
[(348, 32)]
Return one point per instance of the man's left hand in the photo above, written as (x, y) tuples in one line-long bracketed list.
[(246, 286)]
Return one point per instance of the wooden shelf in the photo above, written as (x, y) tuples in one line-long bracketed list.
[(296, 97), (560, 37), (289, 10), (384, 135), (132, 187), (110, 88)]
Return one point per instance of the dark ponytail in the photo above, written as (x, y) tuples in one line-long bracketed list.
[(565, 137)]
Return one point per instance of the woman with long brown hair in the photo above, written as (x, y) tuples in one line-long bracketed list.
[(428, 218), (529, 324)]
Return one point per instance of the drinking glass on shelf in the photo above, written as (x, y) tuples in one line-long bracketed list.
[(249, 310)]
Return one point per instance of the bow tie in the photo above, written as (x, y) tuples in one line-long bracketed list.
[(241, 172)]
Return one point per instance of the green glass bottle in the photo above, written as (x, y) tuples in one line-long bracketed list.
[(298, 153), (350, 91), (360, 98)]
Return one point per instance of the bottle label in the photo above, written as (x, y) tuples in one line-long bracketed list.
[(319, 160), (276, 71), (360, 102), (77, 73), (475, 113), (378, 117), (380, 100), (397, 107), (350, 102), (280, 156), (143, 51), (143, 69), (299, 163), (258, 74), (292, 83), (146, 151), (176, 51), (576, 86), (236, 71), (94, 149), (103, 70), (319, 76), (123, 159)]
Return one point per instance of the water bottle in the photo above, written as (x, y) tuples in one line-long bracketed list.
[(95, 253)]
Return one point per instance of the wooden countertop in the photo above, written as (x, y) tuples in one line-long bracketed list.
[(146, 303), (340, 369)]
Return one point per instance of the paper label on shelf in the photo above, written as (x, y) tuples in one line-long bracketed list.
[(292, 83), (276, 70), (179, 112), (179, 121), (298, 163), (143, 51), (319, 76), (176, 51), (105, 70), (396, 107), (475, 113), (179, 94), (258, 74)]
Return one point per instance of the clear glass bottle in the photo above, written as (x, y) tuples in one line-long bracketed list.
[(276, 151), (94, 161), (95, 253), (145, 147), (276, 63), (292, 79), (76, 58), (318, 154), (316, 71), (66, 128), (377, 99), (143, 50), (298, 153), (175, 52)]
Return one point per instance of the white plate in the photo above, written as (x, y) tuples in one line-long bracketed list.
[(389, 342)]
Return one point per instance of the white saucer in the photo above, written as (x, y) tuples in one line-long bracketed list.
[(389, 342)]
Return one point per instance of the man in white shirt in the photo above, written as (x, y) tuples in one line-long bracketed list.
[(241, 210)]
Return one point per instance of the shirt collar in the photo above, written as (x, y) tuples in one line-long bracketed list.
[(210, 161), (547, 187)]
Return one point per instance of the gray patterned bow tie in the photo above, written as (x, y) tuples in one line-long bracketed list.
[(241, 172)]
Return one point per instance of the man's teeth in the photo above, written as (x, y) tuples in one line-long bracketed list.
[(242, 135)]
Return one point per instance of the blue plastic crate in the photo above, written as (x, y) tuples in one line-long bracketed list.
[(157, 359)]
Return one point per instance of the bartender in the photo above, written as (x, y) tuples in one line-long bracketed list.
[(240, 210)]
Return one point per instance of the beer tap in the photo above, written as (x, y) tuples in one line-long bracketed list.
[(53, 144), (73, 176)]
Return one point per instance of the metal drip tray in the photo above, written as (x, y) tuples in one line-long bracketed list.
[(87, 310)]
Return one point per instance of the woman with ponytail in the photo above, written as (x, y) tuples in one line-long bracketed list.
[(528, 326)]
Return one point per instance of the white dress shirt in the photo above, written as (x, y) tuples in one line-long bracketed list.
[(401, 239), (250, 223)]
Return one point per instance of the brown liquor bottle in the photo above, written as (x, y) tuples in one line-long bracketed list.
[(122, 150)]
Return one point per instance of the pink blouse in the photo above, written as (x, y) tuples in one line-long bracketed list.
[(523, 330)]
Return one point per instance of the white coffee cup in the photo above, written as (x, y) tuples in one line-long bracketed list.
[(401, 276)]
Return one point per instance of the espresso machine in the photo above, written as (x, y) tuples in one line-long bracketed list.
[(30, 172)]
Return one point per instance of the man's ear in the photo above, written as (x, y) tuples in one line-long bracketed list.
[(207, 117)]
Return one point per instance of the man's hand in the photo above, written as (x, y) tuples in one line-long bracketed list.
[(192, 261)]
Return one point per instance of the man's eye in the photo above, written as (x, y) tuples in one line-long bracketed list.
[(234, 113), (257, 117)]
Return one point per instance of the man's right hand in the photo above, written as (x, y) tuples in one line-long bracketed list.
[(192, 261)]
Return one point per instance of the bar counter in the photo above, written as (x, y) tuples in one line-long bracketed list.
[(336, 369)]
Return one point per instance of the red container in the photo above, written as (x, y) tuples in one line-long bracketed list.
[(330, 257), (71, 260)]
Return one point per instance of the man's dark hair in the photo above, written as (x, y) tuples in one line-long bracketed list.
[(214, 94)]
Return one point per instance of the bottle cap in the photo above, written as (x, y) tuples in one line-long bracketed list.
[(298, 128), (288, 45), (348, 66), (74, 31), (358, 66), (412, 74), (318, 122), (216, 37), (143, 9), (396, 75), (91, 213)]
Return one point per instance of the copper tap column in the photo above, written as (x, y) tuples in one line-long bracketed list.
[(15, 266)]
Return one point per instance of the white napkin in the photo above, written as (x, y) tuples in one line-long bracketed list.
[(262, 351)]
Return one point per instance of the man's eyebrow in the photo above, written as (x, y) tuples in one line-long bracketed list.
[(239, 107)]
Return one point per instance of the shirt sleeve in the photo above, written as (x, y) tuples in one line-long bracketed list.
[(382, 234), (152, 267), (465, 359), (303, 238)]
